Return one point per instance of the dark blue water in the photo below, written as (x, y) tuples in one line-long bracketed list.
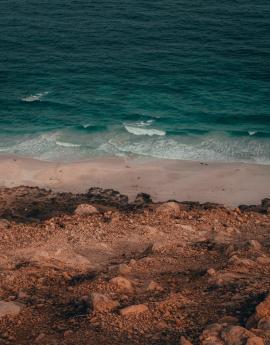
[(183, 79)]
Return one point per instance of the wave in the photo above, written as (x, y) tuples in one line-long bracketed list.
[(65, 144), (35, 98), (140, 130), (211, 147), (252, 132), (91, 128)]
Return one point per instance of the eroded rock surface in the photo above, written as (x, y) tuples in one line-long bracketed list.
[(131, 273)]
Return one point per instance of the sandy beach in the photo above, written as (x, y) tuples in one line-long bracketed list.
[(227, 183)]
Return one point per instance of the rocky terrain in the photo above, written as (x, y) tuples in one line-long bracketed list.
[(94, 269)]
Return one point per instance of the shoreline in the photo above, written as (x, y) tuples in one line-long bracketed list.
[(230, 184)]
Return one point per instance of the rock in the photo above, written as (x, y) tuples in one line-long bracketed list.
[(40, 337), (187, 227), (222, 279), (85, 210), (122, 284), (254, 244), (263, 309), (68, 333), (263, 260), (124, 269), (161, 325), (242, 261), (231, 320), (134, 310), (22, 295), (211, 272), (107, 197), (153, 286), (9, 308), (142, 199), (255, 341), (169, 209), (211, 335), (184, 341), (264, 323), (102, 302), (4, 224), (235, 335), (159, 247)]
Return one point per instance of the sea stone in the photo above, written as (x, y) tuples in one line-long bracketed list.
[(85, 210), (102, 302), (9, 308), (122, 284), (134, 310), (169, 209)]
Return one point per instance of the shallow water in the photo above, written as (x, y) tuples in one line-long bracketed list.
[(176, 79)]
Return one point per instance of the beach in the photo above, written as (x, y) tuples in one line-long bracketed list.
[(226, 183)]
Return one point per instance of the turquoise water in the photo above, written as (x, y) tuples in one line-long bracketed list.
[(180, 79)]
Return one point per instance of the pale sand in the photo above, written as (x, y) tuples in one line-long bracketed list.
[(227, 183)]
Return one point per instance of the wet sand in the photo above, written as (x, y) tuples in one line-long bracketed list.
[(227, 183)]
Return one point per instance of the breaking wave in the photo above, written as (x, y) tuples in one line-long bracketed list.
[(65, 144), (34, 98), (141, 130)]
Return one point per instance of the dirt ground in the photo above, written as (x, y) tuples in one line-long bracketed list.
[(93, 269)]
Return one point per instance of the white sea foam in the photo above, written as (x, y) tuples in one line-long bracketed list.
[(65, 144), (208, 148), (140, 130), (252, 132), (35, 98)]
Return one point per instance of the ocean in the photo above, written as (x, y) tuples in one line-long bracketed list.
[(174, 79)]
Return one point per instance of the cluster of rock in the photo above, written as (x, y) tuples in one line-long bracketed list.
[(255, 332), (172, 273)]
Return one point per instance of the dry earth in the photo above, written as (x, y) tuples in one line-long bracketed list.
[(93, 269)]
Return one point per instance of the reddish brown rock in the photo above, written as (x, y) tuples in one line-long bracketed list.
[(122, 284), (102, 302), (134, 310)]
